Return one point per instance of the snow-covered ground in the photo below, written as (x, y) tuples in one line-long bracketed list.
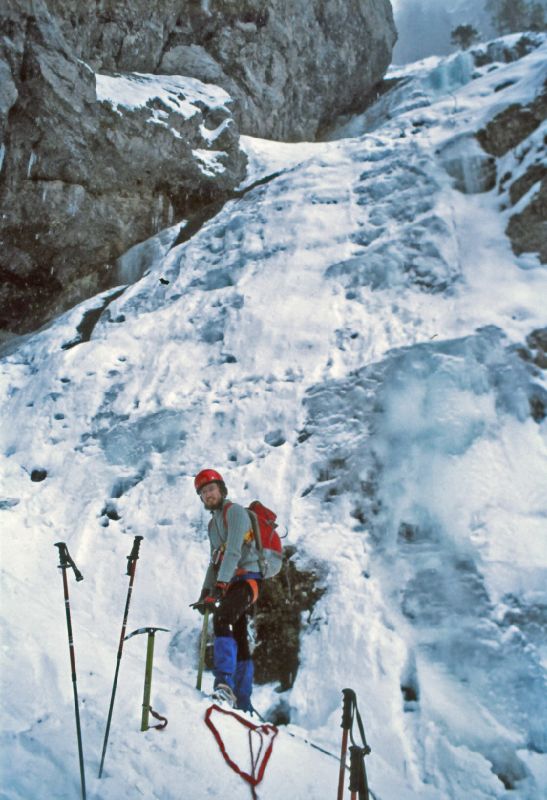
[(342, 343)]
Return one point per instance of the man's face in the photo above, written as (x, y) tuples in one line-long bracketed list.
[(211, 496)]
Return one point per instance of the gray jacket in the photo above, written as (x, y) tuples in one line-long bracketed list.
[(236, 544)]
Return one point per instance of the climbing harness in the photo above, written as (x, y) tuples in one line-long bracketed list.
[(131, 566), (358, 784), (66, 562), (259, 760)]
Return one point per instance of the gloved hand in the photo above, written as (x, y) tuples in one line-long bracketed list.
[(210, 599), (215, 596), (199, 605)]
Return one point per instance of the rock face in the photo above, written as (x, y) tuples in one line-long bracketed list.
[(292, 67), (83, 179), (520, 126)]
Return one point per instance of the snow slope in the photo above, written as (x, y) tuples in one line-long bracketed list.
[(342, 343)]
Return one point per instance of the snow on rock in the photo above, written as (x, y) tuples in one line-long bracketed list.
[(179, 93), (346, 342)]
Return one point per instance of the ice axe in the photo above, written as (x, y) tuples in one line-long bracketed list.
[(146, 707)]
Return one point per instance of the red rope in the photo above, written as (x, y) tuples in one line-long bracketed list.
[(267, 729)]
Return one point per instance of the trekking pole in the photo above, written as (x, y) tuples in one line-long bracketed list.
[(131, 566), (65, 562), (358, 784), (202, 647), (146, 707), (349, 700)]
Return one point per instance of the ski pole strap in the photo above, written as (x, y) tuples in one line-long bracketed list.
[(350, 713), (134, 554), (366, 748), (163, 723), (65, 560)]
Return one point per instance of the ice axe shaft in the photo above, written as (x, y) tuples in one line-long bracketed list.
[(202, 647), (146, 708)]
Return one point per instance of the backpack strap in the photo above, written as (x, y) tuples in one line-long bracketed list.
[(262, 563), (225, 510), (258, 541)]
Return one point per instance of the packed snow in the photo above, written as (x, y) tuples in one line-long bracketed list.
[(343, 342)]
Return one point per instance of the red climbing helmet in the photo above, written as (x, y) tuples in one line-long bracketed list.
[(207, 476)]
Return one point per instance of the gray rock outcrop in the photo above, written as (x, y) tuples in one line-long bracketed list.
[(83, 179), (514, 127), (292, 66)]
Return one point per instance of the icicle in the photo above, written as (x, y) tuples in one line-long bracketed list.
[(31, 162)]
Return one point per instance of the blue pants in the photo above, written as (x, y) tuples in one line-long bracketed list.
[(233, 664)]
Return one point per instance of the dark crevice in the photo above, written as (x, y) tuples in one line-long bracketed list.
[(205, 213), (358, 106), (284, 611), (90, 319)]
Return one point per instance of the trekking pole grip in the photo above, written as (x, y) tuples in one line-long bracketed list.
[(347, 709), (65, 560), (357, 781), (347, 719), (134, 554)]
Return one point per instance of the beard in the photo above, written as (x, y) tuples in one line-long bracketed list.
[(213, 505)]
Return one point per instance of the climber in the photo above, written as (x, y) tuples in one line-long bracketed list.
[(230, 588)]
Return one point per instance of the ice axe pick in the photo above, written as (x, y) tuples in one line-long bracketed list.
[(146, 707)]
